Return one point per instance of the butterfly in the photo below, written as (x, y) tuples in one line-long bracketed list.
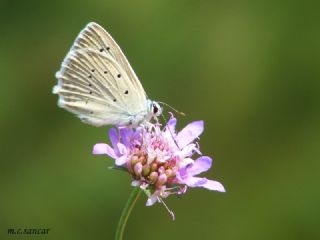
[(97, 83)]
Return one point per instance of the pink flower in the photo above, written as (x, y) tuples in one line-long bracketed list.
[(160, 160)]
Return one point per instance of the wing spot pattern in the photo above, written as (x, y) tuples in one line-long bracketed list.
[(84, 75)]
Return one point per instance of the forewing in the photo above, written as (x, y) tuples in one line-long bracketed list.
[(97, 83), (93, 36), (97, 88)]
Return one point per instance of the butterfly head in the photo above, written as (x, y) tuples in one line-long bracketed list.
[(154, 108)]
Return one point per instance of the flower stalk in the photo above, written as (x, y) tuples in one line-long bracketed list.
[(126, 212)]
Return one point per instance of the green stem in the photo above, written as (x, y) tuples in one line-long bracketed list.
[(126, 212)]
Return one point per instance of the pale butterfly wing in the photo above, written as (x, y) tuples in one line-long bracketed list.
[(97, 83), (96, 37)]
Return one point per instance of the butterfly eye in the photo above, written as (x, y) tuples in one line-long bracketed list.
[(155, 109)]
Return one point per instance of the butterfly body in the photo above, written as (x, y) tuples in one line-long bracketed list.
[(97, 83)]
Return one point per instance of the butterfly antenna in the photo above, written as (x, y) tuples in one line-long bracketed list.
[(166, 104), (164, 118)]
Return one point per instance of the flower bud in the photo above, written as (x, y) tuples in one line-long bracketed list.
[(134, 160), (162, 179), (169, 172), (141, 158), (153, 177), (161, 169), (154, 167), (145, 170), (138, 169)]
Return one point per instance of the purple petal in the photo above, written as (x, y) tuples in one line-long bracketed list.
[(202, 164), (121, 160), (214, 185), (171, 125), (114, 138), (102, 148), (194, 181), (186, 162), (187, 151), (122, 149), (182, 174), (189, 133), (125, 134), (152, 200)]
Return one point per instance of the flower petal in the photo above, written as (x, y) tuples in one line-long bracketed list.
[(189, 133), (121, 160), (194, 181), (135, 183), (214, 185), (185, 162), (102, 148), (205, 183), (126, 134), (122, 148), (114, 137), (171, 125), (187, 151), (202, 164), (152, 200)]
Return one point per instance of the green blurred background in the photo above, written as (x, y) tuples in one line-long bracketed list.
[(249, 69)]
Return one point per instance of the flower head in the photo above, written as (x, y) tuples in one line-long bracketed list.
[(159, 159)]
